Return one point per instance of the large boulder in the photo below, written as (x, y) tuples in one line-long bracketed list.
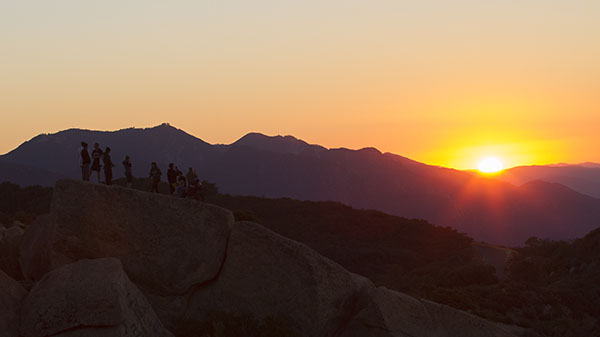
[(19, 224), (268, 276), (9, 252), (454, 321), (11, 297), (90, 298), (393, 314), (2, 231), (36, 248), (166, 244)]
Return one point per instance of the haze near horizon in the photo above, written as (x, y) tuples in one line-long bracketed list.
[(444, 84)]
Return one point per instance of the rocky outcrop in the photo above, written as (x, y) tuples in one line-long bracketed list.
[(9, 251), (166, 244), (36, 248), (454, 321), (393, 314), (11, 297), (191, 261), (89, 298), (269, 276)]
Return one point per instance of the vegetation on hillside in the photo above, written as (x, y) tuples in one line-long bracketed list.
[(23, 204), (551, 287)]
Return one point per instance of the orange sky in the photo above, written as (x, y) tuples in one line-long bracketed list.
[(442, 82)]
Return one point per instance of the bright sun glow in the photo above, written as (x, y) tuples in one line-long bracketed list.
[(490, 165)]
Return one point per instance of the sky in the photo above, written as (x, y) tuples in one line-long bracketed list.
[(441, 82)]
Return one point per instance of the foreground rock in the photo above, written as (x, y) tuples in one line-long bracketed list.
[(165, 244), (271, 277), (195, 267), (11, 296), (393, 314), (10, 252), (36, 248), (89, 298)]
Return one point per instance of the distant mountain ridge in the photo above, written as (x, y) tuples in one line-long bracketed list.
[(278, 144), (487, 209), (583, 178)]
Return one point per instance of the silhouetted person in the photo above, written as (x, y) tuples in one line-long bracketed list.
[(172, 178), (128, 174), (181, 191), (85, 162), (191, 175), (96, 155), (155, 174), (195, 190), (108, 165)]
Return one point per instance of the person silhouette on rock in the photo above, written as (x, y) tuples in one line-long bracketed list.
[(181, 190), (96, 155), (108, 165), (172, 178), (128, 174), (191, 175), (85, 161), (155, 174)]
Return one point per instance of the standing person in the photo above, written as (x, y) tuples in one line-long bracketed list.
[(96, 155), (191, 175), (155, 174), (128, 174), (195, 190), (108, 165), (85, 161), (172, 178), (181, 190)]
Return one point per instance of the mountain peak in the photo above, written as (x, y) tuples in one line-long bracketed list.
[(278, 144), (164, 125)]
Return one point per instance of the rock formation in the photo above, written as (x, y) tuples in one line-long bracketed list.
[(393, 314), (189, 259), (11, 297), (268, 275), (89, 298), (10, 242)]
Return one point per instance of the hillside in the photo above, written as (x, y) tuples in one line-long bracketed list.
[(550, 286), (426, 261), (113, 261), (486, 209), (27, 175)]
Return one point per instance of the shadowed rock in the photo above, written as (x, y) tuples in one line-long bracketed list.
[(11, 297), (452, 321), (165, 244), (9, 252), (36, 248), (393, 314), (269, 276), (191, 261), (89, 298)]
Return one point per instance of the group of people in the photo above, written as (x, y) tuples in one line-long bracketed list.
[(187, 186), (181, 186), (101, 161)]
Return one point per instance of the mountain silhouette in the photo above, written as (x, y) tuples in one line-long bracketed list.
[(583, 178), (487, 209), (278, 144), (27, 175)]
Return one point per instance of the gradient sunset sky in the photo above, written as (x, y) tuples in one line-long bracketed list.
[(441, 82)]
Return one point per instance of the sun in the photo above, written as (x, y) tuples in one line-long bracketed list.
[(490, 165)]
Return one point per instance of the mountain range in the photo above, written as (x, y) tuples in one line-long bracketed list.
[(583, 178), (488, 209)]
